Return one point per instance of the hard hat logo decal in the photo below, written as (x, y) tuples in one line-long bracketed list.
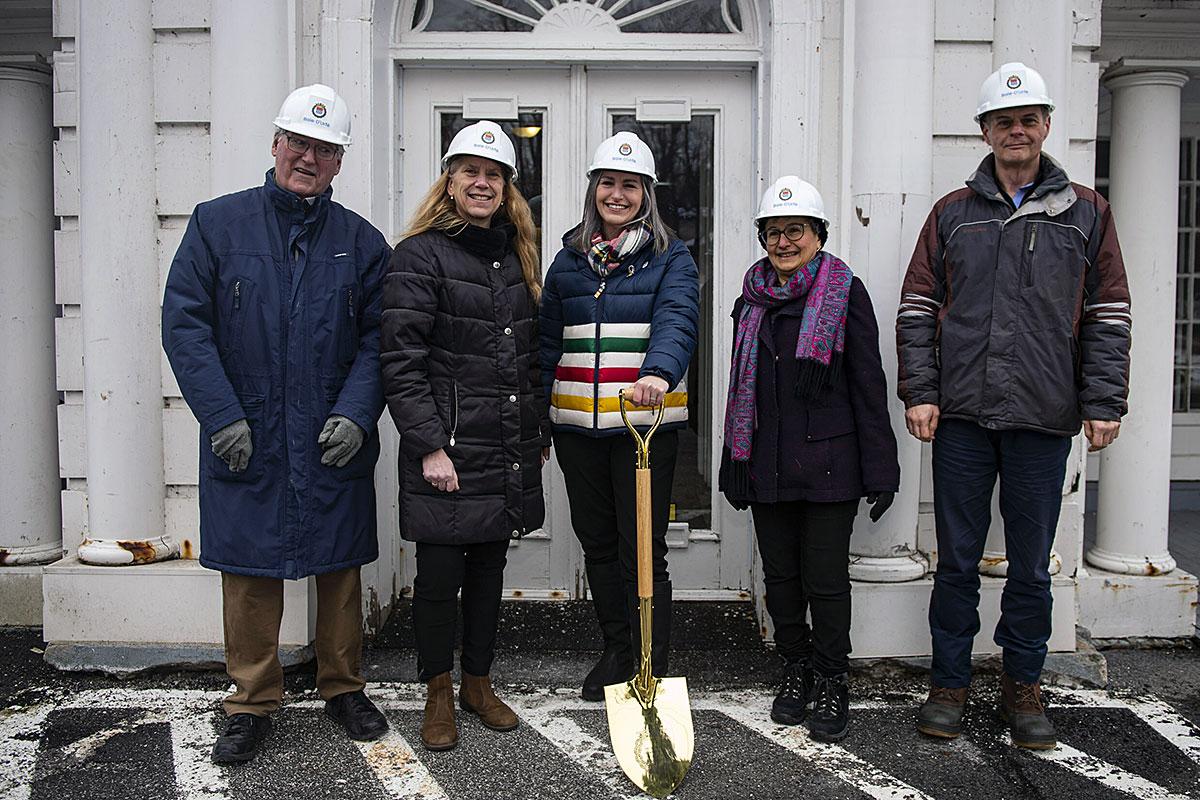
[(1013, 82), (319, 110), (785, 194), (488, 137), (625, 149)]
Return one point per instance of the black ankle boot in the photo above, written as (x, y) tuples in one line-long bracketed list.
[(795, 690), (617, 662), (830, 719)]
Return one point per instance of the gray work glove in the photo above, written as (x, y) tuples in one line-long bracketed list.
[(340, 439), (232, 445)]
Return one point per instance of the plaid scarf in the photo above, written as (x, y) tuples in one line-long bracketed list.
[(605, 255), (824, 283)]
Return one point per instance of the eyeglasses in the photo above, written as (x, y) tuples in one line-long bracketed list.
[(794, 233), (321, 150)]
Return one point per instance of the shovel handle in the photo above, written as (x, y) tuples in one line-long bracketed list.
[(645, 567)]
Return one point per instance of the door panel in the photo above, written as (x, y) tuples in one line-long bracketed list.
[(698, 127)]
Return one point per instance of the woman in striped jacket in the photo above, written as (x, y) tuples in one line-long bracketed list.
[(619, 310)]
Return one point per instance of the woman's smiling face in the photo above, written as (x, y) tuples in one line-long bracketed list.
[(477, 187), (618, 199)]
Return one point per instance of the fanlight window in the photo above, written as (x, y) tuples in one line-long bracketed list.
[(602, 16)]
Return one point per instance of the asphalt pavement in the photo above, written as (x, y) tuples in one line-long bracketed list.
[(93, 736)]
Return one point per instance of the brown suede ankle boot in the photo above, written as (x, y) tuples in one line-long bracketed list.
[(476, 695), (438, 731)]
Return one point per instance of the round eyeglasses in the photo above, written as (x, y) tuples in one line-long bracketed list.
[(794, 233), (322, 151)]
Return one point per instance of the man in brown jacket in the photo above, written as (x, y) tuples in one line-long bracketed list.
[(1013, 330)]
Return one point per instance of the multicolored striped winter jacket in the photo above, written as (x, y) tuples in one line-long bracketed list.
[(1017, 318), (600, 335)]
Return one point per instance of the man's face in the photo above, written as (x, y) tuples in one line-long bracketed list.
[(309, 171), (1016, 134)]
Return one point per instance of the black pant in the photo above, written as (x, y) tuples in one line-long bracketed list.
[(477, 569), (602, 491), (805, 550)]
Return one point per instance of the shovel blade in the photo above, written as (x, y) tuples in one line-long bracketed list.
[(653, 743)]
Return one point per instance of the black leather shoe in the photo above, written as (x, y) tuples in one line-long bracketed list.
[(795, 690), (244, 734), (358, 715)]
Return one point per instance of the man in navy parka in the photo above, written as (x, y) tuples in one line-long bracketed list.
[(271, 325)]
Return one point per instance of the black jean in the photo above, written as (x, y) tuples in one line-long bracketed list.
[(602, 492), (442, 570), (805, 551)]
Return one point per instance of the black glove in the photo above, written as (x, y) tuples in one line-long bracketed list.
[(340, 439), (879, 502), (232, 445)]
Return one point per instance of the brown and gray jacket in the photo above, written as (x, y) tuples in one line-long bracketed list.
[(1017, 318)]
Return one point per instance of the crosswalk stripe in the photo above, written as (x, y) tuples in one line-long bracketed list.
[(836, 760), (1100, 771), (20, 732), (399, 770)]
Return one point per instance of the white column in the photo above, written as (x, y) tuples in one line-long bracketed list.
[(1131, 535), (890, 186), (123, 399), (246, 100), (1038, 33), (30, 522)]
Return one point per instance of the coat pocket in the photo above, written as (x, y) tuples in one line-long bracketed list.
[(348, 329), (217, 469), (236, 309), (829, 423)]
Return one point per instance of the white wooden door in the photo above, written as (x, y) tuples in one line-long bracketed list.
[(699, 124)]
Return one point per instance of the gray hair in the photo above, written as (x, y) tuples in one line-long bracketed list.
[(591, 224)]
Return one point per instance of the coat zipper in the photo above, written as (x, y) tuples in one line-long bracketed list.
[(350, 300), (237, 295), (596, 361), (1028, 260), (454, 418)]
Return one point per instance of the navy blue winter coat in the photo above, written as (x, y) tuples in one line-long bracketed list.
[(271, 314), (600, 335)]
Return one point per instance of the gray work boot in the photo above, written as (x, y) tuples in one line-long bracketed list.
[(942, 712), (1021, 707)]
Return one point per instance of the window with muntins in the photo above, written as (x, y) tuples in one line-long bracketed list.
[(608, 16)]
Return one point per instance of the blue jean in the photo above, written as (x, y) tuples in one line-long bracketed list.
[(966, 461)]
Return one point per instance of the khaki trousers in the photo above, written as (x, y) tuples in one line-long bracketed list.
[(253, 612)]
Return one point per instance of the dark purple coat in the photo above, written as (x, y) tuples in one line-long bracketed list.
[(836, 446)]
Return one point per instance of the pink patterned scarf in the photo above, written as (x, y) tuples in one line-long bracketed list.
[(824, 283)]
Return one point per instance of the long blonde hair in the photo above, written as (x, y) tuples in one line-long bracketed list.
[(437, 212)]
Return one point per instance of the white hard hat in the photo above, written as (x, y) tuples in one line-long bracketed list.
[(791, 197), (316, 111), (487, 140), (625, 152), (1011, 86)]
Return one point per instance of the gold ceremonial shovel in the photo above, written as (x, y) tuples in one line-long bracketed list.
[(649, 718)]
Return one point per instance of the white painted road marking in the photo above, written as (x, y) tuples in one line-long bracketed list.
[(191, 716)]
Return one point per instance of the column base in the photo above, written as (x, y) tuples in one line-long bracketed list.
[(122, 552), (892, 619), (1115, 606), (1125, 564), (21, 596), (170, 610), (995, 563), (888, 569), (36, 554)]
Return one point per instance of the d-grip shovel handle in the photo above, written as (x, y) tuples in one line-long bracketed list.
[(645, 570)]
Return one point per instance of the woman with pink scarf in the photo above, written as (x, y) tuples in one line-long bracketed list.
[(807, 435)]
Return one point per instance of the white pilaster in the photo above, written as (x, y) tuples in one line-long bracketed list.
[(890, 186), (1131, 536), (120, 286), (31, 526), (245, 100)]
